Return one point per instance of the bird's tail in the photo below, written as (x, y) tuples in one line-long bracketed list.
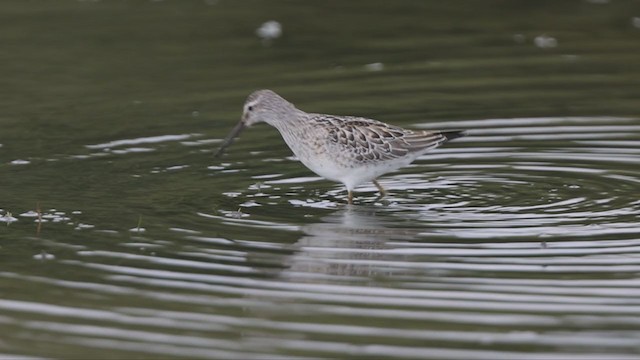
[(453, 134)]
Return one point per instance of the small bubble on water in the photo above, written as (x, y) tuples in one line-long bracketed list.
[(138, 229), (82, 226), (20, 162), (7, 218), (250, 203), (269, 31), (29, 213), (545, 42), (377, 66), (44, 256)]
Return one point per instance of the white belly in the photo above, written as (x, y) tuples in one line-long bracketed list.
[(337, 167), (351, 176)]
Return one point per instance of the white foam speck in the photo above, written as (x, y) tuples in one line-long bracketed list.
[(269, 30), (545, 42), (377, 66), (7, 218), (30, 213), (82, 226), (44, 256)]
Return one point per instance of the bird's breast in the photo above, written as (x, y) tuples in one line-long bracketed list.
[(310, 146)]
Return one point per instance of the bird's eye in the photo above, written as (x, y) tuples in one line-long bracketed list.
[(250, 108)]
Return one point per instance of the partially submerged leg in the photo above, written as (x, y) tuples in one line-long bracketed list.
[(380, 188), (350, 197)]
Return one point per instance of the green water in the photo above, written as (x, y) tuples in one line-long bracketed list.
[(519, 241)]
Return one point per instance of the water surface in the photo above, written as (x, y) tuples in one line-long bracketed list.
[(122, 236)]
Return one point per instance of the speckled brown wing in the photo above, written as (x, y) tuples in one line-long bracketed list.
[(370, 140)]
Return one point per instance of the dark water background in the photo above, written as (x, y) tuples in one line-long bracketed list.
[(520, 241)]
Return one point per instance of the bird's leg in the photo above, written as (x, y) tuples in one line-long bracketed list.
[(350, 197), (380, 188)]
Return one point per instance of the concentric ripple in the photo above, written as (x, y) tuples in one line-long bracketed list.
[(122, 237), (560, 180), (509, 177), (518, 241)]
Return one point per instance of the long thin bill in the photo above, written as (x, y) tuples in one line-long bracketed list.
[(229, 139)]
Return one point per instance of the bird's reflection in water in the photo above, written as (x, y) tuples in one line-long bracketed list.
[(341, 259), (348, 243)]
